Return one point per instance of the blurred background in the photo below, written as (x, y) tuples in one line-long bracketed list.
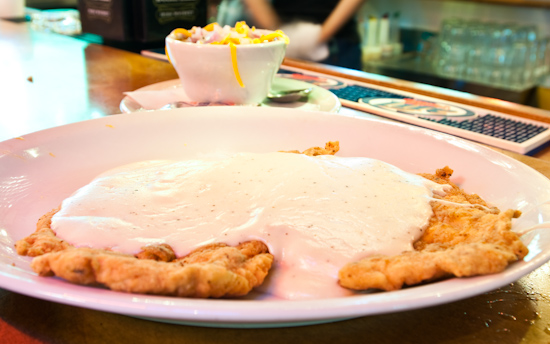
[(494, 48)]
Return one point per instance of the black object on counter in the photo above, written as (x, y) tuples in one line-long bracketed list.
[(144, 21)]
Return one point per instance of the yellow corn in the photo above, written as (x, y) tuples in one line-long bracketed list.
[(274, 35), (234, 40), (243, 29), (210, 27), (184, 32)]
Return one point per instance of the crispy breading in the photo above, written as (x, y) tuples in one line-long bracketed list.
[(43, 240), (464, 239), (331, 148), (162, 252), (211, 271)]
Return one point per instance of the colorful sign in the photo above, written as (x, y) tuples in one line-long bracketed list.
[(416, 107)]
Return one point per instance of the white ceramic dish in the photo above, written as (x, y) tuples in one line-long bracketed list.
[(38, 171), (212, 72), (319, 99)]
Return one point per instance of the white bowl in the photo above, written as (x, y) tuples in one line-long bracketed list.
[(207, 74)]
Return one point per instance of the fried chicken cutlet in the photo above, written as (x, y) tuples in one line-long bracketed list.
[(464, 238), (215, 270)]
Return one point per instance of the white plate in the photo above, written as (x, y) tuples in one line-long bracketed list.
[(319, 99), (40, 170)]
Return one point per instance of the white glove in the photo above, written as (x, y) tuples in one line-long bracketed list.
[(303, 41)]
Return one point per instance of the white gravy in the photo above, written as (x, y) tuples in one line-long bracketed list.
[(315, 213)]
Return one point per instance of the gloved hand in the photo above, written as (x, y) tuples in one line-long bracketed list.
[(304, 39)]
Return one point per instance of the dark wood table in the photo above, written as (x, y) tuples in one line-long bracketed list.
[(48, 80)]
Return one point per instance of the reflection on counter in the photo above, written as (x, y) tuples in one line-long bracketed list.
[(62, 21)]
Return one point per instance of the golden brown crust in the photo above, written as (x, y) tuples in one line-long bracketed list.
[(465, 237), (213, 271), (162, 252), (43, 240), (461, 240), (331, 148)]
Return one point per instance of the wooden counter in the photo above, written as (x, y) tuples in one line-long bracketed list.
[(48, 80)]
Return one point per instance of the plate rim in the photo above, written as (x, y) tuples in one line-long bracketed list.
[(128, 105), (358, 303)]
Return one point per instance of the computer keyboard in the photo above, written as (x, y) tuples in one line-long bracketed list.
[(489, 127)]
